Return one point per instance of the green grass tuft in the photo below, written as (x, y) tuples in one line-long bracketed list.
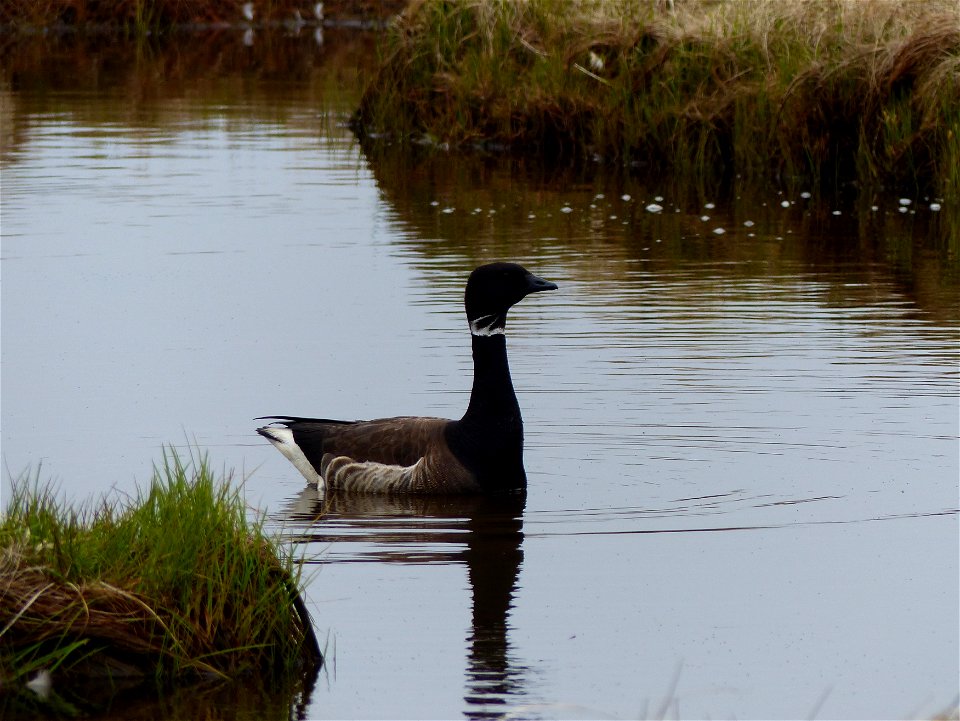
[(176, 583)]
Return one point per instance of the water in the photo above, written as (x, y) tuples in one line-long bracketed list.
[(741, 447)]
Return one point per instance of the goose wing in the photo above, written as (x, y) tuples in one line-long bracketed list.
[(388, 455)]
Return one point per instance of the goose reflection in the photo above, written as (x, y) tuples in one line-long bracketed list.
[(484, 533)]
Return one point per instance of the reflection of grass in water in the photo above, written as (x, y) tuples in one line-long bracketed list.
[(166, 81), (174, 584), (146, 15), (826, 91), (136, 15)]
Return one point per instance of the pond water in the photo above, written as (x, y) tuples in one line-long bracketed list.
[(741, 411)]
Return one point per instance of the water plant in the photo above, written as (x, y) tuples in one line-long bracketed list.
[(175, 583), (821, 91)]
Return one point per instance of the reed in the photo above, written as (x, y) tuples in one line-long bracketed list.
[(821, 91), (173, 584)]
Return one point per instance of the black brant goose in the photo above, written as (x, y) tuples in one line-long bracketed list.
[(482, 452)]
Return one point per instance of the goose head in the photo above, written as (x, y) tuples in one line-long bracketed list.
[(493, 289)]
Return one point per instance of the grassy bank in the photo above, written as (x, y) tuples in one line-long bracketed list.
[(174, 584), (817, 91)]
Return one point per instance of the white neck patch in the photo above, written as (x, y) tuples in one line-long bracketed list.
[(486, 325)]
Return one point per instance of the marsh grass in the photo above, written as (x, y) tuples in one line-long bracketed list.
[(176, 583), (821, 91)]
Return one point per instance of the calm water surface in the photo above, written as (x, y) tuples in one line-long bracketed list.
[(741, 446)]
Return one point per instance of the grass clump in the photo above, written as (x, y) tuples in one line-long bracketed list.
[(819, 90), (174, 584)]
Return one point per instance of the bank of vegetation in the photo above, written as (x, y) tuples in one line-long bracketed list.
[(174, 585), (821, 92)]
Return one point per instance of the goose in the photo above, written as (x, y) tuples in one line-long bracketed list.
[(480, 453)]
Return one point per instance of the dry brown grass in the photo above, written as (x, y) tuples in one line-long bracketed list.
[(40, 607)]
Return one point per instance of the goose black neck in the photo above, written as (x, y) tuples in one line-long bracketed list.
[(492, 396)]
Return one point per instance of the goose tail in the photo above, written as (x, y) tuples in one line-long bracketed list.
[(283, 440)]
